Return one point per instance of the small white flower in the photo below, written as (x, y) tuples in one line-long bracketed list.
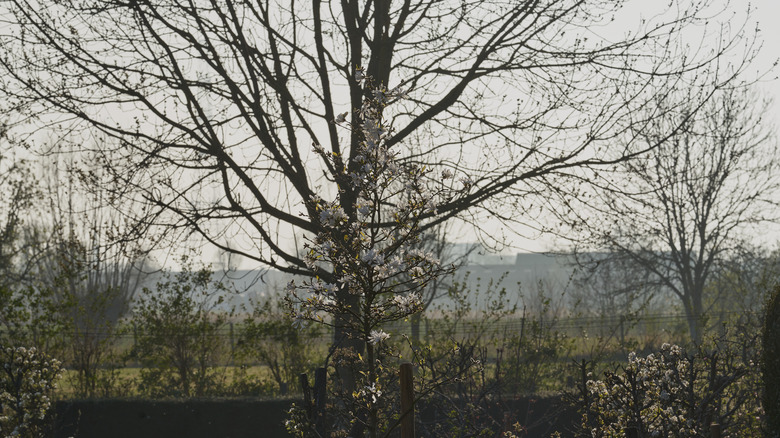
[(371, 391), (400, 92), (373, 257), (364, 209), (321, 300), (326, 247), (290, 288), (407, 303), (300, 321), (332, 216), (378, 336), (431, 206)]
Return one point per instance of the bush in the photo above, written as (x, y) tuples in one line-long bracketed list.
[(177, 335), (27, 379), (770, 364), (269, 338), (670, 393)]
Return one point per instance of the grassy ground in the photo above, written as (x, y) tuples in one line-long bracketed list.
[(572, 340), (124, 382)]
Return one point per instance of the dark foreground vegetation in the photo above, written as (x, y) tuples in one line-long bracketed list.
[(247, 417), (508, 370)]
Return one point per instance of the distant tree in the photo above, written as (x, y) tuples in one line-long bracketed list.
[(737, 291), (26, 314), (770, 362), (17, 194), (88, 276), (680, 211), (435, 243), (269, 338)]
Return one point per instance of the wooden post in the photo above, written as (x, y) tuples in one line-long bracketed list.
[(232, 344), (304, 380), (715, 430), (407, 401), (499, 353), (320, 396)]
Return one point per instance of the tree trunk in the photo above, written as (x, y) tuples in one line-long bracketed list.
[(415, 320), (347, 341)]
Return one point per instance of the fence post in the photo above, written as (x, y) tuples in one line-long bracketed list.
[(407, 401), (715, 430), (304, 380), (232, 343), (320, 395)]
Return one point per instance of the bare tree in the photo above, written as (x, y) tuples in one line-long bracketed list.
[(216, 105), (17, 194), (92, 279), (681, 211), (607, 285)]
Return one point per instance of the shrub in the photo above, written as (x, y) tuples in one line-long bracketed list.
[(26, 381), (670, 393), (770, 364), (269, 338), (177, 335)]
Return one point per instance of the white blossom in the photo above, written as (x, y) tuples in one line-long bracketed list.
[(378, 336), (407, 303), (373, 257), (371, 392), (364, 209), (332, 216), (290, 288), (416, 272), (301, 320)]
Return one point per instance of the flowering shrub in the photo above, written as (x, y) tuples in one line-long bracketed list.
[(654, 395), (368, 272), (26, 380), (672, 394)]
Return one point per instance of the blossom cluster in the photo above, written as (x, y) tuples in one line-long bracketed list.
[(367, 265), (653, 395), (26, 380), (366, 247)]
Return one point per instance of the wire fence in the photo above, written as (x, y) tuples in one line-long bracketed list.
[(627, 324)]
